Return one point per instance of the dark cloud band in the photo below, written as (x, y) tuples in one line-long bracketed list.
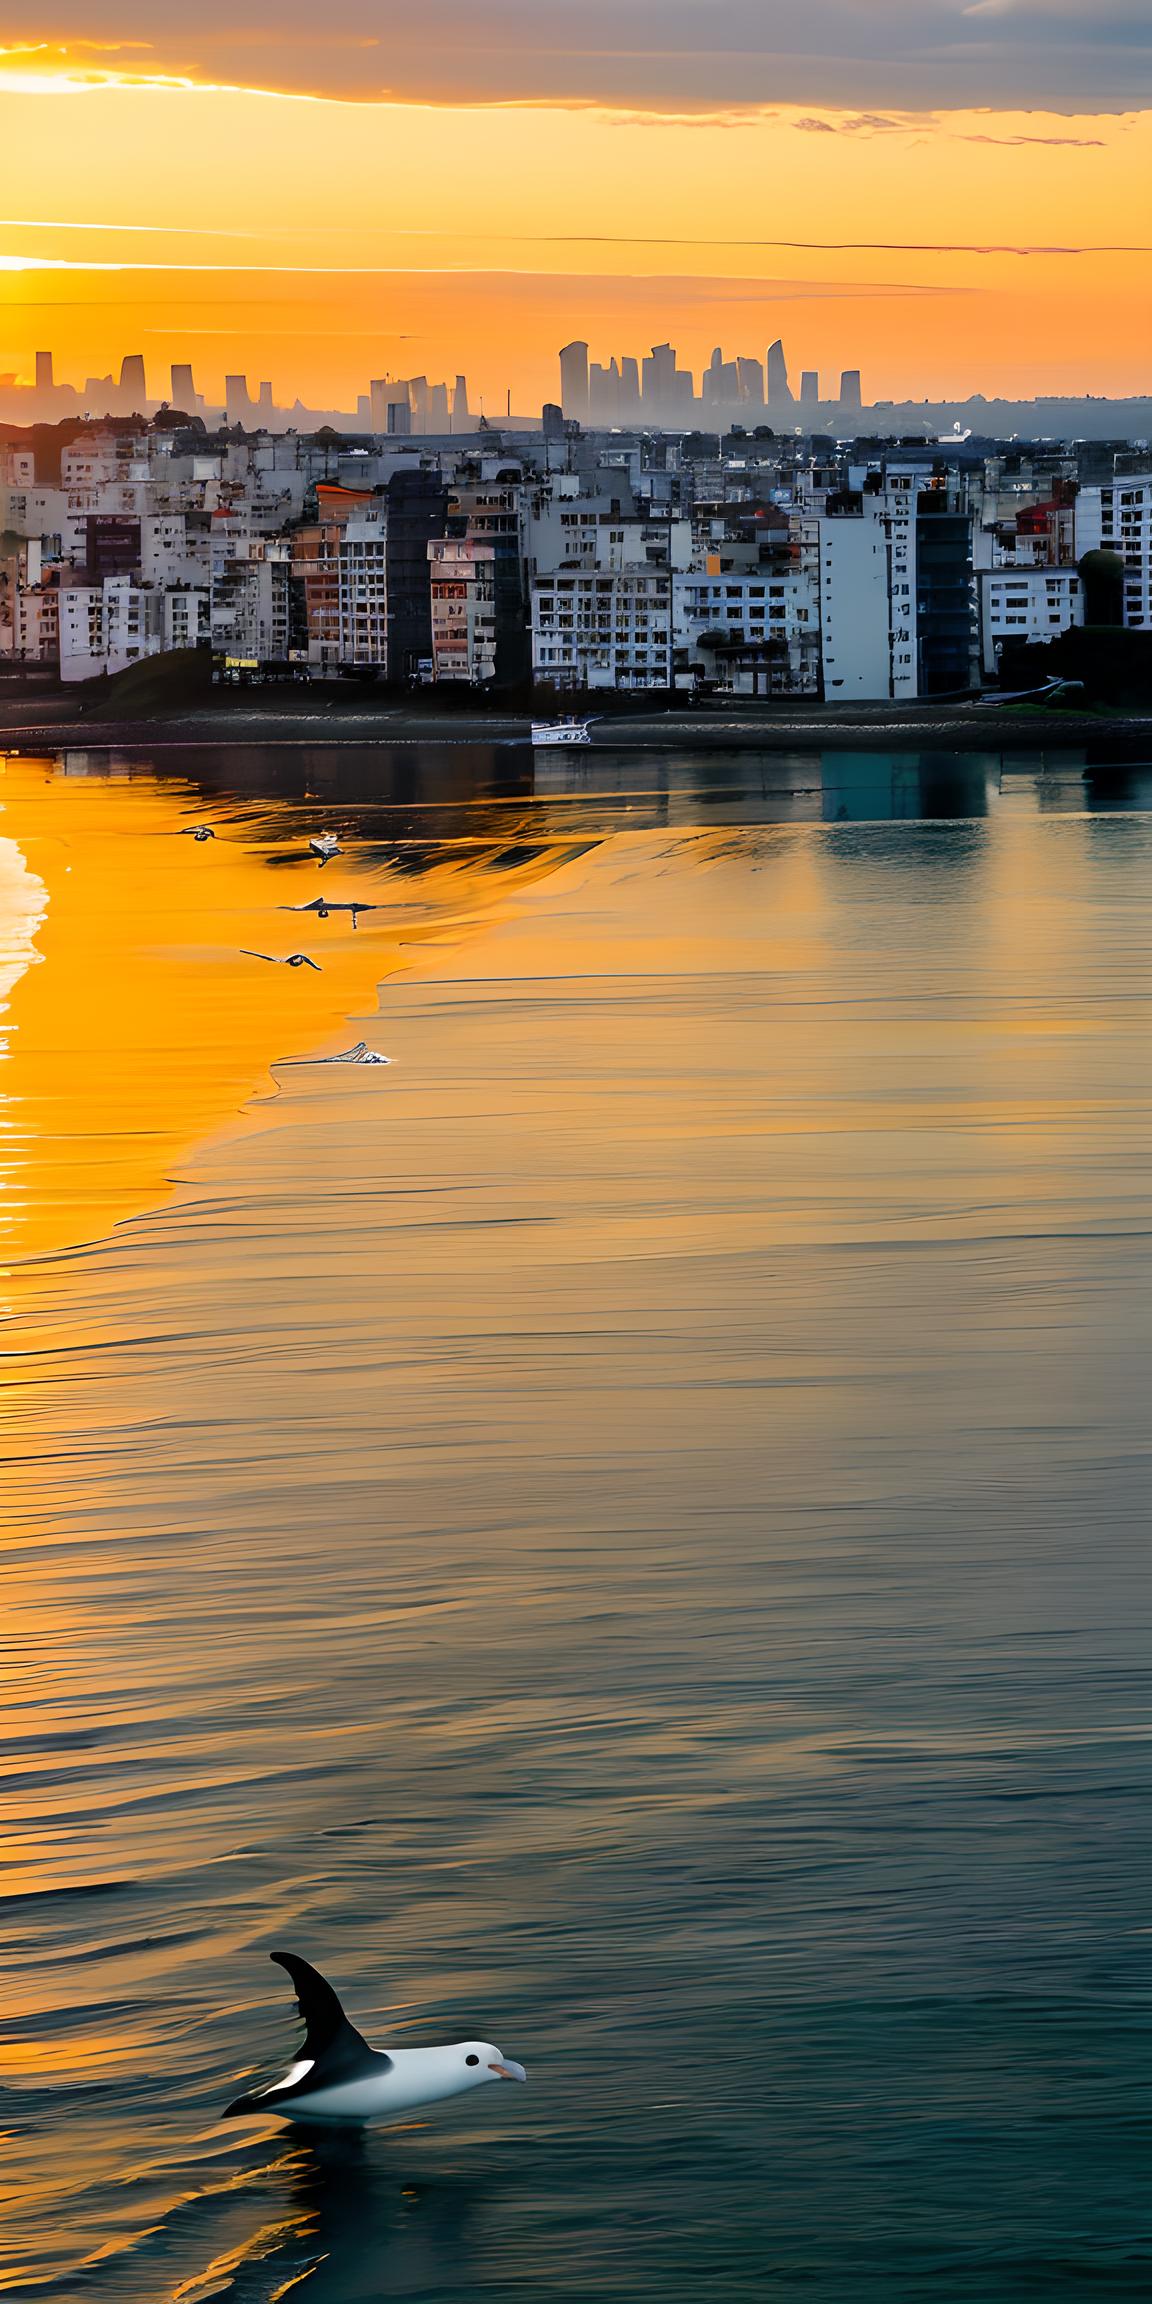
[(648, 54)]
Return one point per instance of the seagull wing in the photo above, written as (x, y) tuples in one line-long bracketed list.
[(317, 905), (327, 2031), (334, 2051), (247, 955)]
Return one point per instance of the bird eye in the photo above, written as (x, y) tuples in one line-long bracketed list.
[(471, 2059)]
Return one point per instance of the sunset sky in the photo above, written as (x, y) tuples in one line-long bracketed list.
[(953, 198)]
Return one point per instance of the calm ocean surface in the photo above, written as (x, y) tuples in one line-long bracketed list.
[(625, 1533)]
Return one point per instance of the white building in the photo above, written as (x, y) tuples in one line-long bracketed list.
[(83, 650), (856, 631), (133, 621), (574, 524), (35, 511), (172, 553), (248, 593), (1025, 604), (364, 590), (36, 623), (1118, 518), (187, 616), (603, 629), (753, 631), (104, 628)]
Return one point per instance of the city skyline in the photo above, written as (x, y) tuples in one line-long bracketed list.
[(620, 392), (269, 204)]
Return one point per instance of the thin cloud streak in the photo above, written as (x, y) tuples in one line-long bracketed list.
[(840, 247), (716, 289), (163, 231)]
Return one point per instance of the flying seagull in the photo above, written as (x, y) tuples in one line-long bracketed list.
[(337, 2077), (283, 959), (321, 907), (196, 832), (324, 845)]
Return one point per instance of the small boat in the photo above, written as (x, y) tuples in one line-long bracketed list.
[(560, 732)]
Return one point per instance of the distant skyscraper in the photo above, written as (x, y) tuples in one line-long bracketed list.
[(460, 414), (45, 381), (265, 403), (183, 387), (552, 421), (399, 414), (437, 408), (659, 373), (850, 396), (720, 383), (574, 381), (751, 377), (133, 388), (418, 398), (779, 389), (809, 388), (237, 400), (629, 388), (666, 389), (380, 392), (604, 394)]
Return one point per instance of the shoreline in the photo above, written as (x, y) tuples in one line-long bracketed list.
[(956, 727)]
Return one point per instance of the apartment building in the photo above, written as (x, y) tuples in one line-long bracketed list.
[(363, 590), (1025, 604), (248, 593), (463, 577), (747, 632), (608, 629), (1118, 518)]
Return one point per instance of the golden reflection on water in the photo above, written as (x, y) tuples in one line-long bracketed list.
[(142, 1028), (576, 1522)]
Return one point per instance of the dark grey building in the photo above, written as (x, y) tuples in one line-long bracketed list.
[(944, 626), (417, 511)]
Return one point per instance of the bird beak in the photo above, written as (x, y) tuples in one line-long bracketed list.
[(508, 2070)]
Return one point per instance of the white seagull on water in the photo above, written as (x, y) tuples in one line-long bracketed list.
[(196, 832), (338, 2078), (324, 845)]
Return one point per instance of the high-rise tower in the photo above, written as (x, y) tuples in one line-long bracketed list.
[(779, 389), (133, 395), (574, 381)]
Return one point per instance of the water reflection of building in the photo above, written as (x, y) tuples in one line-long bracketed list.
[(879, 787), (618, 790)]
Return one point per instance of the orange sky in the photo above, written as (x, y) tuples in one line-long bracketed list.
[(319, 242)]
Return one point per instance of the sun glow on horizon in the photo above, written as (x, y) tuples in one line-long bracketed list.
[(941, 252)]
